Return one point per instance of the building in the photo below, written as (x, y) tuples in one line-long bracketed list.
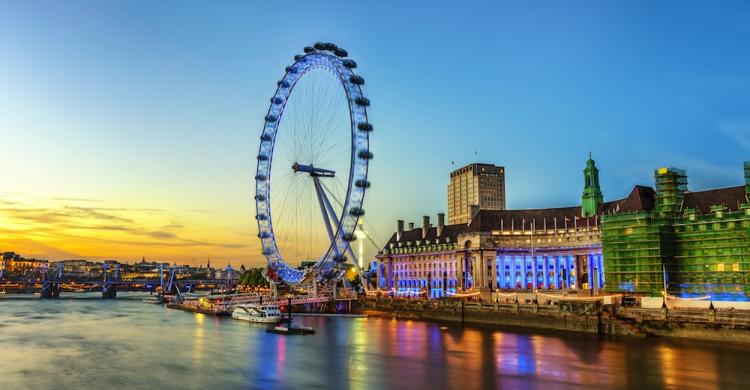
[(477, 187), (688, 243), (227, 273), (667, 239), (81, 268), (547, 249), (15, 264), (149, 267)]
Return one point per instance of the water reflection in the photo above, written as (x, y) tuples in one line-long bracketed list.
[(124, 343), (357, 365), (198, 348)]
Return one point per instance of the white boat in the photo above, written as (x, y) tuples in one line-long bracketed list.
[(253, 312), (154, 299)]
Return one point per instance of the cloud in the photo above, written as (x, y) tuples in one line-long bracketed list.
[(174, 242), (78, 199), (62, 215), (162, 235), (739, 131), (95, 214), (40, 249), (63, 223)]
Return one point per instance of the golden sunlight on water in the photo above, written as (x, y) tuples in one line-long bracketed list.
[(199, 329), (71, 343)]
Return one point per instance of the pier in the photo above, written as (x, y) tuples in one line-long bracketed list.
[(342, 302)]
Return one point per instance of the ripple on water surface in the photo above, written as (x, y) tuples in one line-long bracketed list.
[(124, 343)]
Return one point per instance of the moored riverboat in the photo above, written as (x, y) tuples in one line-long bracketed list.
[(253, 312)]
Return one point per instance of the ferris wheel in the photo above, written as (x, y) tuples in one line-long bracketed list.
[(313, 160)]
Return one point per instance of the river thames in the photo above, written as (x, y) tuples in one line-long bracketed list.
[(123, 343)]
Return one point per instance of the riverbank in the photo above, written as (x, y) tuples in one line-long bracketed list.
[(700, 324), (709, 325)]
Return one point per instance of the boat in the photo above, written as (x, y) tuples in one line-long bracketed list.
[(303, 330), (191, 296), (153, 299), (195, 306), (2, 292), (268, 314), (287, 328)]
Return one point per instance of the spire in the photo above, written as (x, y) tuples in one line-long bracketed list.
[(592, 193)]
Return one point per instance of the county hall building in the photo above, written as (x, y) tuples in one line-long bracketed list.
[(498, 249), (667, 240)]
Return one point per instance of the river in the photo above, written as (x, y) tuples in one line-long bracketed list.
[(123, 343)]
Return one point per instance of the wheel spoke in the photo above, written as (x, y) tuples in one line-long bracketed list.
[(304, 212)]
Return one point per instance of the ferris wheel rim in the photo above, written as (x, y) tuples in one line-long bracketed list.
[(329, 57)]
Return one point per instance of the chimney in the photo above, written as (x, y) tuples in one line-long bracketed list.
[(441, 224), (400, 229), (411, 225), (425, 226)]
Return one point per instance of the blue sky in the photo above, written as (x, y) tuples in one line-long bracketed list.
[(158, 105)]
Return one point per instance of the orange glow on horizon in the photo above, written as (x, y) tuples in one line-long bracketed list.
[(58, 229)]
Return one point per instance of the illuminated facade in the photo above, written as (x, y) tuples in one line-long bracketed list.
[(516, 250), (481, 186), (14, 263), (417, 258), (81, 268), (689, 243)]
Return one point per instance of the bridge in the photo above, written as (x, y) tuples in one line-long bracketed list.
[(52, 282)]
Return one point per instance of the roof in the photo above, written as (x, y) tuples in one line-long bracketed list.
[(701, 201), (487, 220), (477, 168), (449, 231), (640, 198)]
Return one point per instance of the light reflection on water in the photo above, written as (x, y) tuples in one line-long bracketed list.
[(124, 343)]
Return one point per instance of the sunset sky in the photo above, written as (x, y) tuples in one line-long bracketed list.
[(129, 129)]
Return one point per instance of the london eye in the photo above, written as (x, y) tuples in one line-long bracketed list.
[(312, 169)]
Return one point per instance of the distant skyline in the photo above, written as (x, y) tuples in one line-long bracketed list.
[(129, 129)]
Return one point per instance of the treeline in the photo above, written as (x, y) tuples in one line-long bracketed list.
[(253, 277)]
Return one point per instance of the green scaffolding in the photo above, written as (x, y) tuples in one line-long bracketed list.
[(712, 253), (698, 254), (634, 252), (671, 185)]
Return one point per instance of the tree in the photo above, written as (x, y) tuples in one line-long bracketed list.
[(253, 278)]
